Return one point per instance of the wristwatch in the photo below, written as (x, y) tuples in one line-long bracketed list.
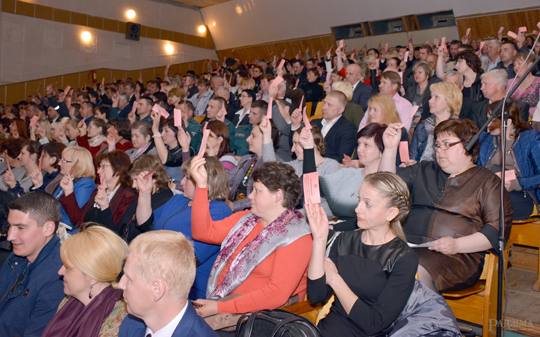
[(157, 135)]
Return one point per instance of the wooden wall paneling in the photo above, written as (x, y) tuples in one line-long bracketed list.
[(118, 75), (160, 71), (133, 74), (487, 25), (101, 73), (31, 87), (15, 93), (3, 94), (71, 80), (148, 74)]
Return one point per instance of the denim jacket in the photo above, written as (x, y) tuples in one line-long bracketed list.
[(526, 154), (30, 293)]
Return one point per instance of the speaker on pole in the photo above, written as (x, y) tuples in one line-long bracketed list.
[(133, 31)]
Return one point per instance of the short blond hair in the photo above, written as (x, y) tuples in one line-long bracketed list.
[(344, 87), (85, 166), (452, 95), (166, 255), (97, 252), (388, 107)]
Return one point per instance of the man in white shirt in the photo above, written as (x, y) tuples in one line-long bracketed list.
[(158, 275)]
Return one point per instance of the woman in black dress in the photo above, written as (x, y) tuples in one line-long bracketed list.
[(370, 270)]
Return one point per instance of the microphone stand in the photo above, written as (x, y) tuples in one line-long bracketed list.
[(500, 111)]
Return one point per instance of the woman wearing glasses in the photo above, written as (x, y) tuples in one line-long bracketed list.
[(110, 200), (454, 204)]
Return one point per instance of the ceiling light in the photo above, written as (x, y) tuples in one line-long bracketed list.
[(130, 14), (169, 48), (202, 29), (86, 36)]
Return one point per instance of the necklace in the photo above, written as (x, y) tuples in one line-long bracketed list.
[(248, 173)]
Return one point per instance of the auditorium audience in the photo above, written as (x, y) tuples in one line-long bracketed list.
[(176, 214), (141, 138), (93, 306), (529, 91), (522, 156), (78, 172), (458, 199), (251, 274), (30, 289), (371, 270), (94, 137), (445, 103)]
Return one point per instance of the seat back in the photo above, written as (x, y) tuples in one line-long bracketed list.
[(318, 112)]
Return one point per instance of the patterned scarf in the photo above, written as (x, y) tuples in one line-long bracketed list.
[(286, 229), (135, 154)]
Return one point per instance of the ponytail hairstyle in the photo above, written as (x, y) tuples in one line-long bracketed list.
[(394, 189)]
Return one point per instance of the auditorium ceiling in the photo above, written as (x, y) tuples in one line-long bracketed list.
[(202, 3)]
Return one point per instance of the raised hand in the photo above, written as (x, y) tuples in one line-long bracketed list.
[(82, 128), (37, 178), (184, 139), (392, 136), (306, 139), (9, 179), (102, 199), (198, 171), (318, 221), (296, 118), (67, 184)]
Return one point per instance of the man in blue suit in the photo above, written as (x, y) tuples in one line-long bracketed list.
[(158, 275)]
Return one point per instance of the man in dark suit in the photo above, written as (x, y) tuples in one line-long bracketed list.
[(494, 84), (361, 91), (339, 134), (158, 275)]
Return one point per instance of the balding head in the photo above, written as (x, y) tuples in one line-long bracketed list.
[(354, 73)]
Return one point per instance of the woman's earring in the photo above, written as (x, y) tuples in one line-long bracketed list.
[(90, 293), (449, 110)]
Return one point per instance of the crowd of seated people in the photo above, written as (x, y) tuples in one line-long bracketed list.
[(211, 204)]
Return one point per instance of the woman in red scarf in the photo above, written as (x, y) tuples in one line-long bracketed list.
[(92, 261)]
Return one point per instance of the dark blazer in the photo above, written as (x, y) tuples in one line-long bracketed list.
[(362, 94), (478, 113), (125, 111), (340, 139), (191, 325)]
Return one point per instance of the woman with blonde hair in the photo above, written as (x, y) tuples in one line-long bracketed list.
[(370, 270), (41, 132), (77, 167), (93, 306), (445, 103)]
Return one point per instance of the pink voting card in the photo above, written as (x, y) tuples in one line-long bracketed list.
[(401, 76), (538, 24), (443, 40), (378, 62), (386, 47), (481, 45), (404, 151), (34, 121), (512, 34), (281, 64), (406, 56), (341, 44), (66, 90), (275, 82), (312, 194), (157, 108), (269, 111), (522, 29), (301, 103), (501, 30), (535, 32), (206, 133), (468, 32), (177, 117), (134, 108), (307, 125), (508, 175)]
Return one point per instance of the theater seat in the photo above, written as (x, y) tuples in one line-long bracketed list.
[(478, 304)]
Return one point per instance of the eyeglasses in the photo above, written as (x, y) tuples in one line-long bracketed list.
[(93, 127), (444, 146), (66, 161), (103, 166)]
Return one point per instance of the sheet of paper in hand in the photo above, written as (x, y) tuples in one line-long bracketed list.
[(312, 194)]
